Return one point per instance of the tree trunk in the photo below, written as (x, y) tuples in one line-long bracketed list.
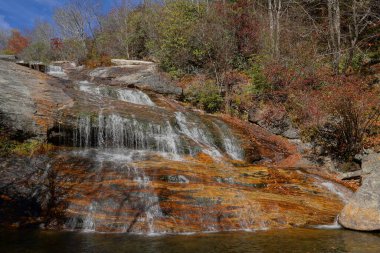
[(354, 36), (277, 30), (274, 11), (334, 30)]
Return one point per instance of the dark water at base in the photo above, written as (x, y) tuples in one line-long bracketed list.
[(289, 240)]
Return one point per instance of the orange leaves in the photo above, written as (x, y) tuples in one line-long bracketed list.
[(99, 61), (17, 43)]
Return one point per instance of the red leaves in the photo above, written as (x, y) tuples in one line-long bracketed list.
[(56, 43), (247, 27)]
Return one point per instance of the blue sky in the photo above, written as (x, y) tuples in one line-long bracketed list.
[(21, 14)]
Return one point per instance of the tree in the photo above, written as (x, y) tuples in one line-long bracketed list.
[(179, 52), (4, 37), (77, 22), (274, 13), (39, 48), (16, 43), (361, 15), (78, 19), (42, 32), (335, 33)]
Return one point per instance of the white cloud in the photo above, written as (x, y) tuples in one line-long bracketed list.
[(4, 24)]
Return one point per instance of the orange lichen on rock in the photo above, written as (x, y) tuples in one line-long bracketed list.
[(175, 196)]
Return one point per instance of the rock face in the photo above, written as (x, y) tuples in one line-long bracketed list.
[(29, 99), (126, 158), (370, 162), (363, 210), (99, 191), (279, 124), (141, 74)]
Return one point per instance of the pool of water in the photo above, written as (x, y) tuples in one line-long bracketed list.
[(287, 240)]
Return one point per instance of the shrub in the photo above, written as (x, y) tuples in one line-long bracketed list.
[(37, 52), (98, 61), (205, 95), (260, 83), (6, 146), (27, 148), (338, 117)]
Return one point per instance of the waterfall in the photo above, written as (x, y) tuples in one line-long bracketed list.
[(182, 135), (56, 71), (137, 201), (338, 190), (230, 143), (113, 131), (128, 95), (196, 132), (134, 96), (90, 88), (89, 224)]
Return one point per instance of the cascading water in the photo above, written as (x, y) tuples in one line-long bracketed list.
[(134, 96), (113, 131), (230, 143), (343, 193), (89, 88), (128, 95), (56, 71), (89, 224), (135, 209), (195, 132)]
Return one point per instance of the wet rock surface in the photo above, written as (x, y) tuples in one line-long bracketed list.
[(140, 74), (97, 191)]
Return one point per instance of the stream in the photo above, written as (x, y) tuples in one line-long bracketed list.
[(286, 240)]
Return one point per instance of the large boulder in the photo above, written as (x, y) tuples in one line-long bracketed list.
[(363, 210)]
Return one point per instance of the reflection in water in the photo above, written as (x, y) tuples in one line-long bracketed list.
[(290, 240)]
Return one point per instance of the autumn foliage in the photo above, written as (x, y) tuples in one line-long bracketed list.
[(17, 43)]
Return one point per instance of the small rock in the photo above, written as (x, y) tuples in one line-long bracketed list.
[(177, 179), (291, 133), (351, 175), (358, 157)]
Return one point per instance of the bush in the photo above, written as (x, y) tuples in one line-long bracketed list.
[(338, 117), (205, 95), (176, 48), (27, 148), (6, 146), (37, 52), (98, 61), (344, 134), (260, 83)]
